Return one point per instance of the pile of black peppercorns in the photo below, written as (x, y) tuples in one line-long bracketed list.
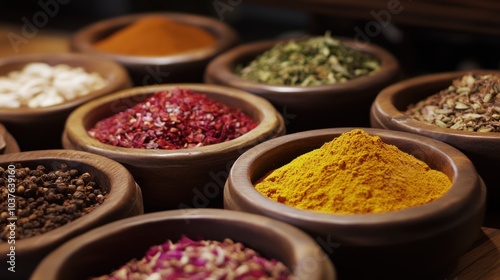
[(46, 200)]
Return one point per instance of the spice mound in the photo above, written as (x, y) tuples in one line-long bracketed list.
[(356, 173), (205, 259), (174, 119), (43, 200), (471, 103), (309, 62), (156, 36), (41, 85)]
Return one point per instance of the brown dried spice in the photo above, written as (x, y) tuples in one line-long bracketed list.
[(45, 200), (471, 103)]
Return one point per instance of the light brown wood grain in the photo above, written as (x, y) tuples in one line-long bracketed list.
[(45, 41), (483, 260)]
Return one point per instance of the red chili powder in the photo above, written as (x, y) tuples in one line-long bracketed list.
[(174, 119)]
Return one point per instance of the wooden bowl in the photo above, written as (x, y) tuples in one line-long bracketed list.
[(8, 144), (100, 251), (123, 200), (305, 108), (482, 148), (420, 242), (146, 70), (173, 179), (41, 128)]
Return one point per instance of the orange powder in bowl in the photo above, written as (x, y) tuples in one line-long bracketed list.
[(156, 36)]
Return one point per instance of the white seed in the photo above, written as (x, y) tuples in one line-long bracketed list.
[(36, 69), (42, 85), (458, 125), (242, 269), (9, 101), (154, 276), (472, 116), (487, 97), (470, 80), (443, 111), (460, 105), (441, 124)]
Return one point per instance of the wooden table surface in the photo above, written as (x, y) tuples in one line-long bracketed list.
[(13, 41), (483, 260)]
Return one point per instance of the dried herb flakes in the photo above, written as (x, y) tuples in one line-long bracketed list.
[(309, 62)]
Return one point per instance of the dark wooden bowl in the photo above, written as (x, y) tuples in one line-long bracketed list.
[(305, 108), (41, 128), (8, 144), (100, 251), (173, 179), (146, 70), (483, 149), (123, 200), (422, 242)]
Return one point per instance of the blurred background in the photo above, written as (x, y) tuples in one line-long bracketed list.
[(426, 36)]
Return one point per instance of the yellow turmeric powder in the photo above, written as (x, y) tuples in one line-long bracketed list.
[(355, 173)]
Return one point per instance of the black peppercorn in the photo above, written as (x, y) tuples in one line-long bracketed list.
[(46, 200)]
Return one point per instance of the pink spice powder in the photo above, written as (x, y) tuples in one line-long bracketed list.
[(174, 119)]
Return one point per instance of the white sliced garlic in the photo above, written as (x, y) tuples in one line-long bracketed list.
[(41, 85)]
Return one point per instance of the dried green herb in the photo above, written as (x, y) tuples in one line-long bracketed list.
[(309, 62), (471, 103)]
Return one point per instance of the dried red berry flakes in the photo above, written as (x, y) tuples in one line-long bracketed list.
[(174, 119)]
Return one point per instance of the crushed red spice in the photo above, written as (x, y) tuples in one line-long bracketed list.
[(204, 259), (174, 119)]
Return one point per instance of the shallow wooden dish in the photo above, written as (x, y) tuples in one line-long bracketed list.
[(123, 200), (8, 144), (100, 251), (173, 179), (421, 242), (482, 148), (305, 108), (147, 70), (41, 128)]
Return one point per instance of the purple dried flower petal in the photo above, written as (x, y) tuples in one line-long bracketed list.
[(189, 259)]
